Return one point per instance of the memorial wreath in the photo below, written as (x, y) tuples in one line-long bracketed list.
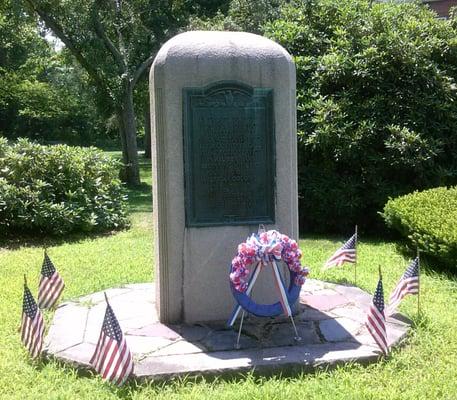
[(264, 248)]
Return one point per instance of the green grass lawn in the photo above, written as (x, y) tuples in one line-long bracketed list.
[(425, 368)]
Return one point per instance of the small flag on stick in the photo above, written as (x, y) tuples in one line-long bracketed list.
[(376, 321), (112, 358), (51, 284), (32, 325), (346, 253), (408, 284)]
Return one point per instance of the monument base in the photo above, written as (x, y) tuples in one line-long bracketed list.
[(330, 321)]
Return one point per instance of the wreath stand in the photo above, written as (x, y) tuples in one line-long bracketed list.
[(286, 297)]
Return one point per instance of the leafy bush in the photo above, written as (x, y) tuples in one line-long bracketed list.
[(376, 105), (428, 220), (59, 189)]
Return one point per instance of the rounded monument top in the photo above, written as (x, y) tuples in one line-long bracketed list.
[(220, 45)]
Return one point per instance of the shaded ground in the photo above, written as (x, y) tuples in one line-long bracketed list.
[(330, 321)]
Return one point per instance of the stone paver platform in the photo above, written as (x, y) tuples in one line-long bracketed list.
[(330, 319)]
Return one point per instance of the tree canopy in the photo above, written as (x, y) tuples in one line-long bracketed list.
[(115, 42), (43, 95)]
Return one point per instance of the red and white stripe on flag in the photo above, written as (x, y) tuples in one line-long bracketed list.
[(408, 284), (32, 325), (51, 284), (112, 358), (346, 253), (340, 257), (49, 290), (377, 328)]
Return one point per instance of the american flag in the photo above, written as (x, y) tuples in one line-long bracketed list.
[(112, 358), (346, 253), (376, 321), (51, 284), (32, 325), (408, 284)]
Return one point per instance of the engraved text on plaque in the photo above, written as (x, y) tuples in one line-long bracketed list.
[(229, 156)]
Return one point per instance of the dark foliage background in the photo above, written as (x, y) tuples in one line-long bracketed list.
[(377, 109)]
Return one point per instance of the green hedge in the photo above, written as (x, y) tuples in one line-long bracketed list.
[(59, 189), (428, 220)]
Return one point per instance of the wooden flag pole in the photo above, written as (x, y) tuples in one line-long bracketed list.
[(418, 280), (380, 272), (25, 284), (356, 256), (106, 298)]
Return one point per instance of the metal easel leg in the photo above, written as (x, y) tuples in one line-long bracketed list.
[(238, 308), (284, 299), (297, 337), (237, 345)]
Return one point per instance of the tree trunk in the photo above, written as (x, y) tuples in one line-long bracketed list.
[(147, 134), (127, 130)]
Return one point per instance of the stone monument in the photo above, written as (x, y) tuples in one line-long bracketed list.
[(224, 161)]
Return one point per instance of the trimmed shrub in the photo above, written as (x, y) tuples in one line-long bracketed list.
[(376, 105), (428, 220), (59, 189)]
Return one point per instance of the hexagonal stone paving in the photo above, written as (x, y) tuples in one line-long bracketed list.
[(329, 317)]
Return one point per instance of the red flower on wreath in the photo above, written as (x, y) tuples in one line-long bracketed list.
[(266, 247)]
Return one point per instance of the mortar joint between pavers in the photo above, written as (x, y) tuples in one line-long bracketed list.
[(319, 334), (66, 348)]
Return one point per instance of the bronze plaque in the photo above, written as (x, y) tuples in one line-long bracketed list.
[(229, 157)]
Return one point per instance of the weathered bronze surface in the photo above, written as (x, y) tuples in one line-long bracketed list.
[(229, 158)]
